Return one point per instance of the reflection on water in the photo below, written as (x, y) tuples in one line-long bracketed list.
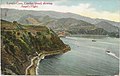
[(85, 58)]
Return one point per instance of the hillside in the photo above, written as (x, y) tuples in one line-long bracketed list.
[(21, 43), (15, 15), (107, 26), (68, 22), (29, 19), (35, 20), (74, 26)]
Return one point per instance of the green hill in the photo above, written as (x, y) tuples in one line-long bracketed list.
[(20, 43)]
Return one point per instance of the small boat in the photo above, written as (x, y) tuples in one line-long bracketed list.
[(111, 54), (108, 51), (93, 40)]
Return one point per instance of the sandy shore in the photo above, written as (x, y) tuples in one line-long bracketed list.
[(32, 68)]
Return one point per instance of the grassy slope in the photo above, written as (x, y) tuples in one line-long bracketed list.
[(20, 43)]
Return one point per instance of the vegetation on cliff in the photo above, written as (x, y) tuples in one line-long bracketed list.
[(20, 43)]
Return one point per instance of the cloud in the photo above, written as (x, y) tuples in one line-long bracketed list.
[(84, 9)]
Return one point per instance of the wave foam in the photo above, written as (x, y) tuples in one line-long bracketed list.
[(112, 54)]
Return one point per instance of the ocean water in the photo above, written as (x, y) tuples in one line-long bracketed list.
[(86, 58)]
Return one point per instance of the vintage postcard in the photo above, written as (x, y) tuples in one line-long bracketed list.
[(60, 37)]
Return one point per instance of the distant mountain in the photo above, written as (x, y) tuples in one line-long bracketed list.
[(110, 22), (12, 15), (36, 20), (74, 26), (107, 26), (71, 25), (62, 23), (29, 19), (58, 21)]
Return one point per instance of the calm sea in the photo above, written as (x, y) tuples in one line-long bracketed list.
[(86, 58)]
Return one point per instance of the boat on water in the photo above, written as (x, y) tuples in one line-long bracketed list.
[(93, 40), (108, 51), (111, 54)]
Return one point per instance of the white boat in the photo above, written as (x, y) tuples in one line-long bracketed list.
[(110, 53)]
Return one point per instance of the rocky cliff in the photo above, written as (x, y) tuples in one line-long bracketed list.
[(20, 43)]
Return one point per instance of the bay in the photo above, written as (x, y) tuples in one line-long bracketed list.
[(85, 58)]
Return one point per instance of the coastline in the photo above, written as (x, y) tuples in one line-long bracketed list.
[(32, 68)]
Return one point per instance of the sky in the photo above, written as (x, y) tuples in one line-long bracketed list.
[(103, 9)]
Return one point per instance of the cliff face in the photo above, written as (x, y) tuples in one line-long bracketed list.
[(20, 43)]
